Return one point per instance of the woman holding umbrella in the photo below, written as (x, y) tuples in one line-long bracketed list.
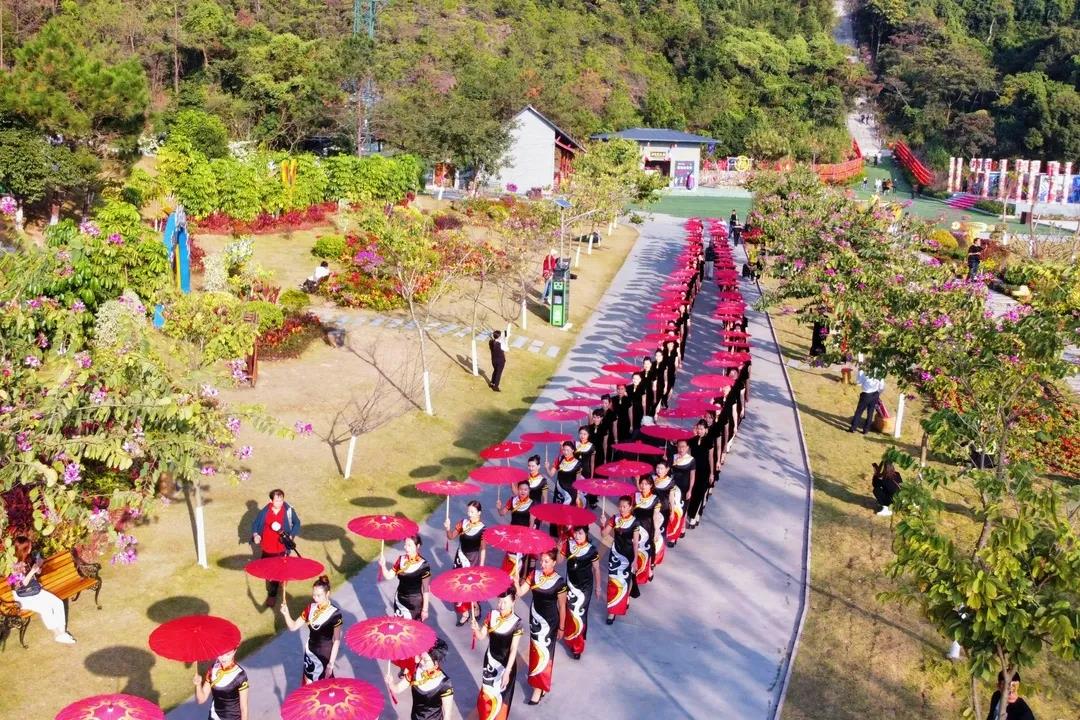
[(625, 533), (582, 582), (414, 576), (647, 511), (471, 551), (683, 469), (664, 380), (702, 450), (636, 391), (518, 507), (537, 481), (672, 513), (324, 622), (648, 378), (623, 406), (504, 628), (585, 451), (227, 683), (566, 469), (432, 692), (545, 622)]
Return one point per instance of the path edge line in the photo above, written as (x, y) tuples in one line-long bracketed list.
[(793, 646)]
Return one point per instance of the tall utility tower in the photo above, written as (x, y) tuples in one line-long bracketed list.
[(364, 15)]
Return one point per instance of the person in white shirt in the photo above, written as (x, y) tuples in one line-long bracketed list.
[(320, 272), (869, 393)]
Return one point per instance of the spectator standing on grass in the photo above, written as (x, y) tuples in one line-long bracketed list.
[(974, 257), (498, 345), (273, 531), (551, 262), (1015, 707), (869, 394)]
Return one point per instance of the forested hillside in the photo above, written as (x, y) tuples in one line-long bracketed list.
[(978, 77), (761, 76)]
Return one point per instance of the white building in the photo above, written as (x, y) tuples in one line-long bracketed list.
[(672, 153), (540, 154)]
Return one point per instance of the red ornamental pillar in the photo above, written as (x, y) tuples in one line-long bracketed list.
[(988, 164), (1066, 186), (1051, 176), (1033, 177)]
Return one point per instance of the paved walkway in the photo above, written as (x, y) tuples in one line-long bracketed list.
[(712, 636), (865, 132)]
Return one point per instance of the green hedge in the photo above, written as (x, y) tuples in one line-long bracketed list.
[(246, 188)]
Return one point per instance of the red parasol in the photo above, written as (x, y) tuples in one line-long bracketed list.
[(730, 295), (667, 433), (712, 382), (725, 354), (659, 337), (611, 380), (662, 315), (383, 527), (605, 487), (559, 514), (561, 415), (333, 699), (495, 475), (284, 569), (581, 402), (390, 638), (642, 346), (518, 539), (111, 707), (638, 448), (723, 363), (623, 468), (585, 390), (448, 488), (632, 354), (620, 367), (699, 396), (194, 638), (546, 437), (734, 335), (685, 412), (505, 449), (470, 584)]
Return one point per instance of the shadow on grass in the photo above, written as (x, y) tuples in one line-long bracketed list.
[(235, 562), (124, 661), (171, 608), (374, 501), (425, 471), (321, 532)]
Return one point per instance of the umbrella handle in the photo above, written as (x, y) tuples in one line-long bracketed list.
[(474, 608), (603, 505), (382, 560), (393, 697), (447, 520)]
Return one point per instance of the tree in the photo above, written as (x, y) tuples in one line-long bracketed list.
[(58, 87), (198, 130), (30, 167)]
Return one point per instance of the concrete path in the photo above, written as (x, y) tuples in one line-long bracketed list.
[(713, 635), (865, 132)]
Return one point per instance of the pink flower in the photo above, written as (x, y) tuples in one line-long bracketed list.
[(243, 475), (88, 227), (208, 391), (72, 473), (244, 453), (98, 396), (233, 423), (116, 239), (32, 361), (22, 441), (302, 428), (208, 470), (83, 360)]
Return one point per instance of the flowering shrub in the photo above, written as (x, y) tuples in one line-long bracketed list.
[(291, 339), (8, 205)]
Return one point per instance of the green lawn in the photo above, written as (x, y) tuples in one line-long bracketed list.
[(685, 205)]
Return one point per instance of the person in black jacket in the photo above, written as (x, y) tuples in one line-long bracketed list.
[(1015, 707), (497, 345), (886, 483)]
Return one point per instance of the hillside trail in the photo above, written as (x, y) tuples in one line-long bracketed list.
[(860, 121)]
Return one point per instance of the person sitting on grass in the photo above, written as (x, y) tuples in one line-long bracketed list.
[(321, 273)]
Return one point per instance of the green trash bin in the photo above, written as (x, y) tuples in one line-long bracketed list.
[(559, 311)]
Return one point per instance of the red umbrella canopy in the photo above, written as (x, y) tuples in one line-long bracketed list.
[(704, 397), (727, 355), (712, 382), (194, 638), (611, 379), (731, 295), (470, 584), (383, 527), (562, 415), (447, 487), (623, 468), (725, 363), (333, 699), (638, 448), (111, 707), (655, 338), (284, 569), (560, 514), (494, 475), (633, 354), (620, 367), (685, 412), (662, 315), (546, 437), (389, 638), (642, 346), (581, 402), (605, 487), (505, 449), (734, 335), (666, 432), (586, 390), (518, 539)]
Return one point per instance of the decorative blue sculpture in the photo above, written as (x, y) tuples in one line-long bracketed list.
[(176, 244)]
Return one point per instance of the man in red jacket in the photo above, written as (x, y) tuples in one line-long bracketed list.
[(551, 261), (274, 523)]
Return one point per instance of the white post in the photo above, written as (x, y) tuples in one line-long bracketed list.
[(577, 256), (591, 236), (899, 416), (349, 457), (475, 363), (427, 394), (440, 192), (200, 531)]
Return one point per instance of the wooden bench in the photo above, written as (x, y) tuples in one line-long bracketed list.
[(64, 575)]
